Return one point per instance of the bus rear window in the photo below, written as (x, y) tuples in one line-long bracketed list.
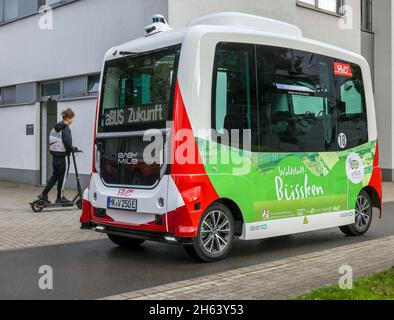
[(352, 119), (137, 91)]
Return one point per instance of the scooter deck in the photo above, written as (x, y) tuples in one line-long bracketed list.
[(63, 205), (57, 205), (76, 202)]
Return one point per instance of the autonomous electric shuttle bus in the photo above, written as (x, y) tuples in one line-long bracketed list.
[(235, 126)]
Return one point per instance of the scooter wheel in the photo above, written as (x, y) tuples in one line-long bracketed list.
[(79, 204), (38, 206)]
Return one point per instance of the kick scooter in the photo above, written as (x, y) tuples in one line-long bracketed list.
[(39, 205)]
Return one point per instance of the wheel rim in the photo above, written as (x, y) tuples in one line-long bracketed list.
[(363, 213), (215, 232), (38, 206)]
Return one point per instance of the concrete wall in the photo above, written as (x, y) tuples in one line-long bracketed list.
[(18, 155), (83, 32), (368, 50), (314, 24), (383, 11)]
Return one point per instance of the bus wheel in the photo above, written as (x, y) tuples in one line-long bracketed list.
[(215, 235), (125, 242), (364, 215)]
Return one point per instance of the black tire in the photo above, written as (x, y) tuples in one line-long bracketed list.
[(364, 211), (38, 206), (191, 252), (214, 243), (124, 242)]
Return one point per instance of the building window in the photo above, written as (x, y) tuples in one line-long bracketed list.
[(25, 93), (366, 15), (71, 88), (50, 2), (51, 89), (8, 95), (74, 87), (331, 6), (15, 9), (10, 10), (93, 83)]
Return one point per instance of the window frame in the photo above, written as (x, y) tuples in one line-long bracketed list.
[(316, 7), (62, 96), (366, 12), (96, 76)]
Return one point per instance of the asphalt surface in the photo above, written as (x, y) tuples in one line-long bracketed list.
[(97, 269)]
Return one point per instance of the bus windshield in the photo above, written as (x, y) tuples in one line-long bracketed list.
[(137, 91)]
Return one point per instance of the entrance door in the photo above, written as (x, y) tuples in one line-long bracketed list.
[(49, 120)]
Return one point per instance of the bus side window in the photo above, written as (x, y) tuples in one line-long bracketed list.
[(294, 100), (351, 98), (352, 114), (221, 101), (234, 88), (310, 125)]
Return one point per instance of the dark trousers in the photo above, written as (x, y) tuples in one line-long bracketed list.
[(61, 166)]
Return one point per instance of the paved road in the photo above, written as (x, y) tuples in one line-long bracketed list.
[(97, 269)]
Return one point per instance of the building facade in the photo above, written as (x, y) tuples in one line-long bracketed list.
[(51, 55)]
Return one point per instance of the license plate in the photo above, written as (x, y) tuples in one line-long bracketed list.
[(122, 204)]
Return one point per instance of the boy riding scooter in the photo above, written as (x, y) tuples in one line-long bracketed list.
[(61, 147)]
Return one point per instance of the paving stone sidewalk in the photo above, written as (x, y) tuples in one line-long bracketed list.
[(277, 280), (21, 228)]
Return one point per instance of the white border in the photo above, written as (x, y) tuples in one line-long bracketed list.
[(282, 227)]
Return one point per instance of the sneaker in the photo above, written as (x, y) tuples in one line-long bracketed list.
[(44, 199), (63, 201)]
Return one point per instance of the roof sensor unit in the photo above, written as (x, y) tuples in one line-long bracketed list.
[(159, 25)]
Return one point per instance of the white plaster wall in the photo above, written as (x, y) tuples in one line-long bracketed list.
[(18, 151), (83, 32)]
